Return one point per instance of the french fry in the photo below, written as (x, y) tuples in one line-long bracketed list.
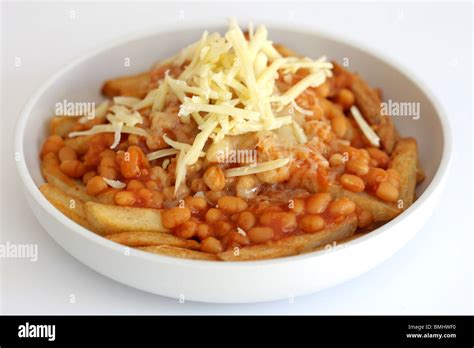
[(380, 211), (109, 219), (420, 173), (404, 160), (179, 252), (62, 125), (131, 86), (142, 239), (295, 244), (106, 197), (68, 205), (54, 176), (369, 103)]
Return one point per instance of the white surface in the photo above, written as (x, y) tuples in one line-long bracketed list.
[(433, 274)]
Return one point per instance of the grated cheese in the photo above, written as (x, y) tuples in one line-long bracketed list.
[(299, 133), (369, 133), (126, 101), (161, 153), (99, 112), (116, 184), (166, 163), (228, 88), (108, 128), (258, 168)]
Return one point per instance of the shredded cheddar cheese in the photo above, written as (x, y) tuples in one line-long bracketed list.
[(258, 168), (369, 133), (228, 88)]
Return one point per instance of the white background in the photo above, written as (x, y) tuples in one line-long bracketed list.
[(431, 275)]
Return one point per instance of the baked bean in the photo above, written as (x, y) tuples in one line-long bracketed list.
[(133, 139), (357, 166), (282, 221), (246, 220), (174, 217), (221, 228), (335, 110), (107, 153), (73, 168), (380, 157), (311, 223), (317, 203), (125, 198), (260, 234), (187, 230), (365, 219), (345, 98), (203, 231), (108, 168), (341, 206), (214, 178), (233, 239), (213, 196), (298, 206), (196, 204), (67, 153), (145, 194), (246, 186), (393, 177), (234, 217), (336, 160), (53, 143), (376, 176), (323, 90), (88, 175), (352, 183), (231, 204), (133, 163), (96, 185), (356, 154), (215, 152), (214, 215), (168, 193), (363, 155), (134, 185), (211, 245), (159, 174), (274, 176), (198, 185), (157, 199), (152, 185), (339, 125), (387, 192), (155, 142)]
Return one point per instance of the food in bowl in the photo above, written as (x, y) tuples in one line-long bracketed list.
[(235, 149)]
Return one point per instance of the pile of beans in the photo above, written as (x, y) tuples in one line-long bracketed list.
[(366, 170), (233, 223)]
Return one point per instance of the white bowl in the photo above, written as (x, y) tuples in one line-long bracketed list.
[(239, 281)]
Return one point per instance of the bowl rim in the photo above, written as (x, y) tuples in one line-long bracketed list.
[(215, 24)]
